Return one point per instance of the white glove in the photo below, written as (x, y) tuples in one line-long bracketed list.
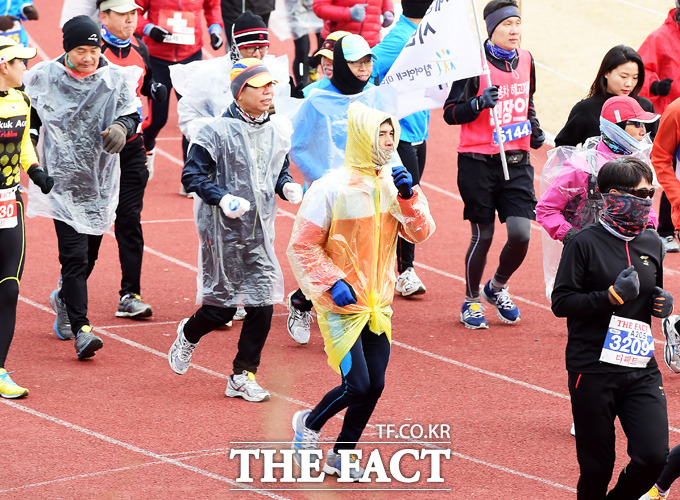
[(293, 192), (233, 206)]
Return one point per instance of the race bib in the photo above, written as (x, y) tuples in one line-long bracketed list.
[(629, 343), (180, 25), (513, 132), (8, 208)]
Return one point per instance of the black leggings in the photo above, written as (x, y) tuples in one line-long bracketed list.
[(301, 61), (254, 331), (363, 380), (12, 251), (413, 158), (672, 470), (512, 255)]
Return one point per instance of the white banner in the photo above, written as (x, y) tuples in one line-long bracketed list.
[(443, 49)]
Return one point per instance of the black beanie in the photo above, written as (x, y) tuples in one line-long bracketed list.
[(415, 8), (81, 30), (250, 31)]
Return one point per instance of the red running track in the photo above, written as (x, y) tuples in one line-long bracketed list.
[(123, 425)]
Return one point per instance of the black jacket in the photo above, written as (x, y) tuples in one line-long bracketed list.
[(590, 263), (584, 120)]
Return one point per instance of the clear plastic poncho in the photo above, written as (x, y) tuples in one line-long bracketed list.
[(206, 91), (347, 228), (571, 173), (237, 262), (294, 18), (320, 125), (74, 112)]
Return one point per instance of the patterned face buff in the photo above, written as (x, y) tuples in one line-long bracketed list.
[(626, 214)]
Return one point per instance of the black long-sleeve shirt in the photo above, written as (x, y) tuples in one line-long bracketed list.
[(199, 167), (590, 264)]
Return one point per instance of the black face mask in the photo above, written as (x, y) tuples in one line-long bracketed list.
[(343, 79)]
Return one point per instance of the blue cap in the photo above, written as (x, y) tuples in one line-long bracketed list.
[(354, 47)]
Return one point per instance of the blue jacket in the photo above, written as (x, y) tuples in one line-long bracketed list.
[(415, 127)]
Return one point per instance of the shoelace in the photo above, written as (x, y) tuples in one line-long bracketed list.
[(471, 313), (309, 439), (186, 349), (304, 316), (7, 379), (503, 299)]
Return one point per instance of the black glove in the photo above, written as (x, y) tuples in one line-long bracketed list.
[(661, 88), (159, 92), (156, 33), (6, 22), (296, 90), (403, 181), (114, 138), (40, 178), (537, 138), (662, 303), (30, 12), (488, 99), (626, 286), (216, 40), (569, 235)]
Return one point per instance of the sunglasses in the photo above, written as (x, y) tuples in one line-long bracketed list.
[(638, 193), (635, 124)]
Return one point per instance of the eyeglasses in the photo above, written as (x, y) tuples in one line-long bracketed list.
[(249, 51), (635, 124), (638, 193)]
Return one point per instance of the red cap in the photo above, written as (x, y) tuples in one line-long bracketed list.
[(622, 108)]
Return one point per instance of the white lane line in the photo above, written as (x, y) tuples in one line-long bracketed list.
[(166, 221), (561, 75), (662, 14), (136, 449)]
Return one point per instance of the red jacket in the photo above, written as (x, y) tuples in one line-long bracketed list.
[(664, 150), (660, 54), (187, 11), (336, 17)]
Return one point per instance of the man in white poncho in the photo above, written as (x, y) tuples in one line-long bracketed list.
[(84, 110), (236, 164)]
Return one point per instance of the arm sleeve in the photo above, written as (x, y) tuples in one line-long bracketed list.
[(28, 154), (663, 151), (212, 10), (148, 74), (130, 122), (284, 177), (460, 106), (387, 6), (197, 173), (142, 20), (648, 53), (328, 11), (386, 52), (414, 215), (36, 124), (531, 112), (572, 132)]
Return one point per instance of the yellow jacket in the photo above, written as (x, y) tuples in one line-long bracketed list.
[(347, 228)]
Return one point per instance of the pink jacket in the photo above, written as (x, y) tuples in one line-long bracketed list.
[(563, 205), (336, 17)]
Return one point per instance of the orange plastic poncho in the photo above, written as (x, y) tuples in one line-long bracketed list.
[(347, 228)]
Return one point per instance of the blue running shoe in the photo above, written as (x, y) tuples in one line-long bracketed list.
[(304, 438), (62, 324), (472, 316), (505, 307)]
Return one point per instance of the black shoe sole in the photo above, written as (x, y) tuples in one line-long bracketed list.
[(91, 348)]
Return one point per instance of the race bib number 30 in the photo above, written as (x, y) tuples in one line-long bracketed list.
[(180, 25), (513, 132), (628, 343), (8, 208)]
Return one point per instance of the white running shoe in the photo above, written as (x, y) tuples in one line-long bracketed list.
[(408, 283), (299, 322), (304, 438), (244, 386), (240, 314), (671, 349), (181, 351)]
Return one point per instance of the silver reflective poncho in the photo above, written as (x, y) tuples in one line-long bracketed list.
[(237, 263), (74, 112)]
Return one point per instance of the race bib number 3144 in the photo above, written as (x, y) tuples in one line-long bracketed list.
[(628, 343)]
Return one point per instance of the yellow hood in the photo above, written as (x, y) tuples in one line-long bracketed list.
[(362, 134)]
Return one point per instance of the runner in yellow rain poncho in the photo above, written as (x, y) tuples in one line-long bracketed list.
[(342, 252)]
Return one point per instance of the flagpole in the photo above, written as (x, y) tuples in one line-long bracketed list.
[(487, 72)]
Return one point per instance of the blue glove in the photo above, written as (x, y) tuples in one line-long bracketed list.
[(662, 303), (488, 99), (343, 294), (403, 181)]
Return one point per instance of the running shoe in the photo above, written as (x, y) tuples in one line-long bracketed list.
[(299, 322), (505, 307), (181, 351), (671, 349), (87, 343), (240, 314), (670, 244), (408, 283), (9, 388), (244, 386), (62, 324), (472, 316), (333, 466), (304, 438), (654, 494), (130, 305)]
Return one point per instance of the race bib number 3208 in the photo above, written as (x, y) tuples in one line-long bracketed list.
[(628, 343)]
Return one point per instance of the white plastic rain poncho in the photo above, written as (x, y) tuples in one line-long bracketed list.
[(347, 228), (74, 112), (294, 18), (569, 196), (237, 263), (320, 126), (206, 93)]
